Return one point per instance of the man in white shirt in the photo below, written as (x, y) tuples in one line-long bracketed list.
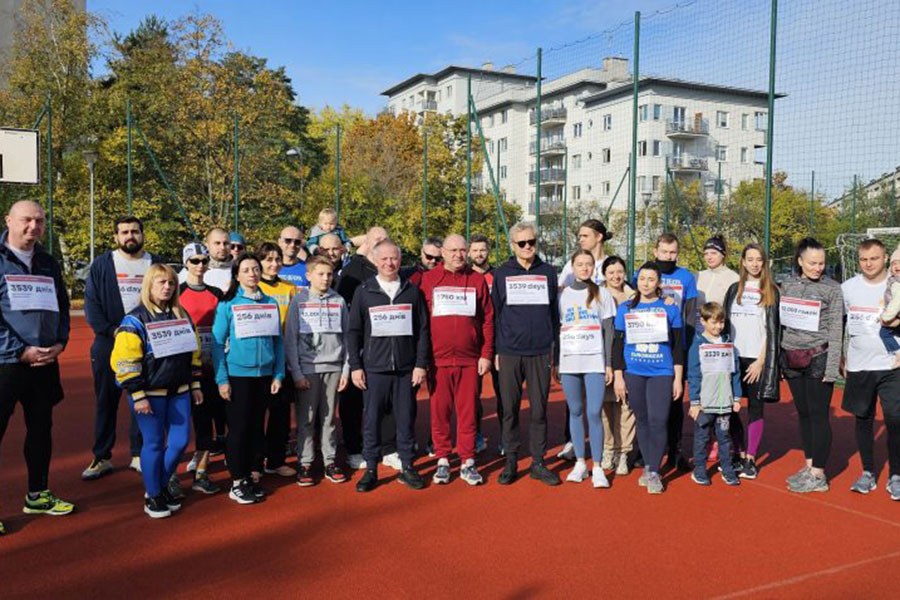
[(870, 372), (219, 273)]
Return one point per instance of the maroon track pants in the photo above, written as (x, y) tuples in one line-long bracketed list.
[(454, 387)]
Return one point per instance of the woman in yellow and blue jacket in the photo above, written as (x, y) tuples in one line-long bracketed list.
[(160, 377)]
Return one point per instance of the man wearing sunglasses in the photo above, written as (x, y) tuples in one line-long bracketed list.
[(430, 258), (526, 324), (293, 269), (237, 245)]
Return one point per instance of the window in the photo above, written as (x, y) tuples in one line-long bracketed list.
[(576, 162), (503, 117), (449, 91), (491, 147), (491, 121), (590, 123), (607, 122), (590, 156), (656, 183), (642, 148), (722, 119), (657, 111), (643, 112), (576, 130), (502, 172), (745, 121), (678, 114), (745, 155), (606, 155), (642, 183), (721, 153), (605, 187), (656, 147), (576, 192), (501, 144), (760, 121)]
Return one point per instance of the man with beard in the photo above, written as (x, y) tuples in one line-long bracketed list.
[(112, 290), (293, 269)]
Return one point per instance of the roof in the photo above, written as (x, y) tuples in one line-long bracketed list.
[(627, 89), (448, 70)]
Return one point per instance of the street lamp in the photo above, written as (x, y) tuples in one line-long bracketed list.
[(90, 157), (297, 152)]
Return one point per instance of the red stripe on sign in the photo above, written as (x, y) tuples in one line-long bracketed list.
[(864, 309), (30, 278), (254, 307), (717, 346), (447, 288), (318, 305), (161, 324), (801, 301), (528, 278), (580, 327), (393, 307)]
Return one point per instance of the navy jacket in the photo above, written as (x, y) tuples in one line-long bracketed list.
[(525, 330), (22, 328), (102, 301)]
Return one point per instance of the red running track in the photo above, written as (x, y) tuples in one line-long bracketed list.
[(523, 541)]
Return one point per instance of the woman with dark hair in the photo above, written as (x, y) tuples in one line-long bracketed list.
[(648, 361), (811, 310), (248, 322), (751, 315)]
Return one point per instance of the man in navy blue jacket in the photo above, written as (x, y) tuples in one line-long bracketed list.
[(388, 348), (113, 289), (526, 325), (34, 330)]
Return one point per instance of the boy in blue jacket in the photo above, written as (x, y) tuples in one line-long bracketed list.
[(714, 384)]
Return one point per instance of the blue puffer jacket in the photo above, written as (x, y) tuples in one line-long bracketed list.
[(247, 357), (22, 328)]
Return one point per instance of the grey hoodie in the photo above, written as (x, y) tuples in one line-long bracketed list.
[(831, 323), (322, 352)]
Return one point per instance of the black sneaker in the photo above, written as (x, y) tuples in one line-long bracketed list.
[(218, 446), (411, 478), (156, 508), (305, 477), (676, 460), (540, 472), (368, 481), (243, 493), (335, 474), (173, 503), (203, 484), (174, 488), (256, 489), (748, 470), (510, 472)]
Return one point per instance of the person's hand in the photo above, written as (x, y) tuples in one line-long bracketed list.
[(484, 365), (619, 387), (342, 384), (142, 407), (31, 355), (276, 386), (754, 371), (418, 376), (197, 395), (736, 407), (555, 372), (302, 384), (225, 391), (47, 355), (677, 389), (609, 375), (694, 411), (359, 378)]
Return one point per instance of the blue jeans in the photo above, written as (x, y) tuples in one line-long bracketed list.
[(166, 432), (577, 386), (702, 426), (887, 338)]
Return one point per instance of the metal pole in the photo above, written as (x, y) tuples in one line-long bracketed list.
[(237, 179), (424, 185), (719, 200), (632, 180), (469, 102), (670, 181), (337, 174), (893, 204), (537, 171), (853, 207), (92, 212), (50, 173), (565, 228), (128, 127), (770, 121), (812, 205), (497, 214)]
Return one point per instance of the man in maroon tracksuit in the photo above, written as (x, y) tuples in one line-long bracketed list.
[(462, 342)]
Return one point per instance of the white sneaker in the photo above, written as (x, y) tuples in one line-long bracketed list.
[(598, 478), (135, 464), (192, 465), (392, 460), (568, 452), (579, 473), (356, 462), (608, 461), (622, 465)]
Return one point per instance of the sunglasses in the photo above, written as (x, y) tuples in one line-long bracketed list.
[(432, 258), (237, 246), (292, 241), (198, 261), (522, 243)]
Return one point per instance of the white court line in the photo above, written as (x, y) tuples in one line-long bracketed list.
[(810, 498), (800, 578)]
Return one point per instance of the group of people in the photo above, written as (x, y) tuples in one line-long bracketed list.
[(234, 340)]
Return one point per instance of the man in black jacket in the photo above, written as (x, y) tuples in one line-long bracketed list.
[(112, 290), (388, 347), (526, 325)]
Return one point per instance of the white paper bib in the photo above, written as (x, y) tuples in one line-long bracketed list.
[(527, 289), (717, 358), (391, 320), (646, 327), (256, 320), (31, 292), (799, 313), (453, 301), (168, 338)]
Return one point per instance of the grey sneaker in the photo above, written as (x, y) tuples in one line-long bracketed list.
[(893, 487), (642, 480), (442, 475), (865, 484), (809, 483), (796, 477), (654, 484), (470, 475)]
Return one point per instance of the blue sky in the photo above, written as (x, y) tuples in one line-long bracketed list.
[(837, 60)]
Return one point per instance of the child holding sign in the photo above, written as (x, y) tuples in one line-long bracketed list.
[(714, 381), (648, 363), (156, 359)]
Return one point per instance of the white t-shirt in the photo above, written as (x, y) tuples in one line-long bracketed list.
[(748, 322), (217, 278), (130, 276), (567, 277), (581, 340), (24, 255), (389, 287), (866, 351)]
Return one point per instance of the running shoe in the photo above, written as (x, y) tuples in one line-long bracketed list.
[(642, 480), (510, 472), (809, 483), (334, 473), (796, 477), (731, 479), (97, 469), (622, 464), (749, 469), (411, 478), (135, 464), (174, 488), (598, 477), (392, 460), (540, 472), (243, 493), (442, 474), (47, 504), (174, 504), (2, 528), (470, 474), (203, 484), (700, 478), (156, 508), (608, 461), (304, 476), (567, 453), (578, 473), (893, 487), (282, 471), (655, 484), (367, 482), (865, 484), (356, 462), (257, 490)]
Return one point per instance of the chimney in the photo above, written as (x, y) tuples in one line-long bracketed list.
[(487, 66), (615, 68), (509, 69)]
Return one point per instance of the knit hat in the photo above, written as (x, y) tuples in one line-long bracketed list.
[(715, 243), (896, 254), (193, 249), (235, 238)]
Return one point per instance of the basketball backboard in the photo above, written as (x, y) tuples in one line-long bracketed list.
[(19, 156)]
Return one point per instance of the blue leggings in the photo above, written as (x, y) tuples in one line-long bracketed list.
[(576, 386), (171, 418)]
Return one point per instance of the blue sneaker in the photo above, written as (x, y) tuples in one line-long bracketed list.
[(730, 479), (700, 478)]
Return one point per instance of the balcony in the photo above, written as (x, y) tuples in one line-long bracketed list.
[(549, 175), (682, 129), (549, 205), (686, 164), (427, 105), (549, 145), (549, 114)]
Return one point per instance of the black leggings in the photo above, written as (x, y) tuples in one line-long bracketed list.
[(812, 397), (651, 400), (865, 440), (245, 412)]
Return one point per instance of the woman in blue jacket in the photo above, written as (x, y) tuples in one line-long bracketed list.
[(247, 324), (648, 364)]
